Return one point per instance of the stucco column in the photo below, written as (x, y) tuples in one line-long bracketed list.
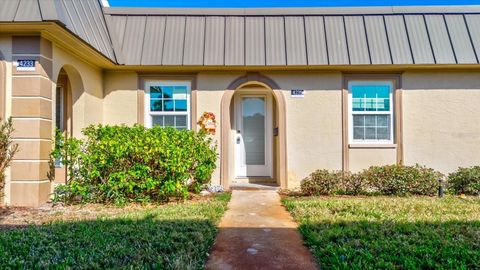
[(32, 117)]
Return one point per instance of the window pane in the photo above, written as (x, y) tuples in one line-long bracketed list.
[(382, 120), (180, 92), (370, 97), (358, 120), (167, 91), (168, 105), (155, 105), (358, 133), (181, 105), (383, 133), (181, 121), (155, 92), (157, 120), (169, 120), (370, 133), (370, 120)]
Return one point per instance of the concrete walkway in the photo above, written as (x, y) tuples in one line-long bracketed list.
[(258, 233)]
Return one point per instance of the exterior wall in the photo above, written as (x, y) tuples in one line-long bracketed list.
[(314, 123), (441, 119), (87, 88), (121, 98)]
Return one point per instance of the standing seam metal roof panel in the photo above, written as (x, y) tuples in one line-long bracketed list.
[(336, 40), (316, 43), (174, 40), (377, 40), (473, 22), (133, 42), (28, 10), (357, 40), (275, 41), (102, 29), (79, 28), (254, 41), (153, 46), (419, 41), (440, 40), (398, 40), (235, 41), (295, 41), (117, 28), (460, 39), (8, 10), (194, 41), (92, 21), (214, 41)]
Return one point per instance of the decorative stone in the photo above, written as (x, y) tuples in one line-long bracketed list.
[(204, 193)]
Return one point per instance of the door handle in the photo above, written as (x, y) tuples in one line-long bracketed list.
[(238, 140)]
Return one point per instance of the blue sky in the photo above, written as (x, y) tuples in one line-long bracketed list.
[(284, 3)]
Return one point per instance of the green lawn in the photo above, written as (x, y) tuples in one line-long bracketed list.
[(390, 233), (165, 237)]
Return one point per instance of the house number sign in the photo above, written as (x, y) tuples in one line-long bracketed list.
[(297, 93), (25, 65)]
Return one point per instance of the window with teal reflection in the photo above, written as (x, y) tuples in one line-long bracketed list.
[(370, 98)]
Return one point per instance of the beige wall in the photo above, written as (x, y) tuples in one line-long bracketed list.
[(314, 123), (120, 100), (442, 119), (87, 88)]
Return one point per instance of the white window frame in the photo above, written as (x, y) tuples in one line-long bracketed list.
[(351, 113), (149, 114)]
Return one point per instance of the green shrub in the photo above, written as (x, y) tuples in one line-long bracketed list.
[(120, 163), (7, 150), (321, 182), (402, 180), (465, 181), (396, 180)]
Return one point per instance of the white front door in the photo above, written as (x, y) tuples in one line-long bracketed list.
[(253, 138)]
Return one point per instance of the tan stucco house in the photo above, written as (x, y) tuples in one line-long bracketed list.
[(293, 90)]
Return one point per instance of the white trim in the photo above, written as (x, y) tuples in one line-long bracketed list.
[(148, 113), (390, 112), (105, 3)]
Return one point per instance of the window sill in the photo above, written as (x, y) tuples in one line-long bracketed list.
[(372, 146)]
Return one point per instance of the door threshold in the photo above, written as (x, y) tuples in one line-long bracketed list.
[(254, 179)]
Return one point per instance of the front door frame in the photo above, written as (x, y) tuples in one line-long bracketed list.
[(242, 169), (281, 150)]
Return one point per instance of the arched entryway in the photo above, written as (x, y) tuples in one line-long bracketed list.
[(253, 132), (68, 82)]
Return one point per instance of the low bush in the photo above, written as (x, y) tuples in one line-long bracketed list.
[(7, 150), (120, 163), (465, 181), (402, 180), (321, 182), (396, 180)]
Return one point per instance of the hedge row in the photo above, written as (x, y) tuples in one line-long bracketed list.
[(120, 163), (395, 180)]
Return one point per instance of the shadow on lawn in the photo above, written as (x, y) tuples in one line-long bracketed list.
[(145, 242), (394, 245)]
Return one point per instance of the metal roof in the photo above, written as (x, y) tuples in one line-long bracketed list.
[(307, 40), (84, 18), (265, 36)]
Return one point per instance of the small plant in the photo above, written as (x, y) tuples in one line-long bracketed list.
[(465, 181), (8, 149)]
